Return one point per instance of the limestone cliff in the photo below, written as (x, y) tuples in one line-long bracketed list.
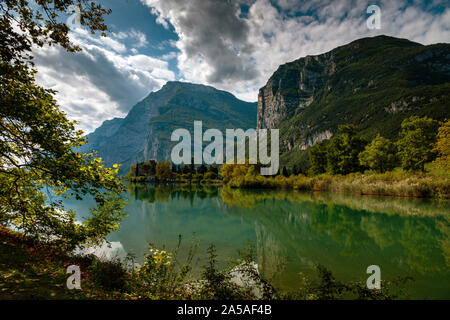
[(373, 83)]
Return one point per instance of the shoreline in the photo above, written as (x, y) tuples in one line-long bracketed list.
[(390, 184)]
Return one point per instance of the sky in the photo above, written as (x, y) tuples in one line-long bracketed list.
[(233, 45)]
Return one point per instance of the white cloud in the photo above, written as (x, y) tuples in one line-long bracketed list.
[(219, 46), (239, 54), (138, 37), (102, 81)]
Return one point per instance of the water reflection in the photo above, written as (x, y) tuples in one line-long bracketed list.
[(292, 231)]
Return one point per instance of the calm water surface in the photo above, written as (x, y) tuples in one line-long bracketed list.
[(292, 231)]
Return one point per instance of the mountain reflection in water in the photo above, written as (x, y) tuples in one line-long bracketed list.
[(292, 231)]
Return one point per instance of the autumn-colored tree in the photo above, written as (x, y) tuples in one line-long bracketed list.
[(163, 171), (443, 147), (227, 172)]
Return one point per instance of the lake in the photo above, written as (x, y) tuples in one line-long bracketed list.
[(292, 231)]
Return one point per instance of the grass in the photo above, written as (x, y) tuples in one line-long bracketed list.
[(396, 183), (31, 270)]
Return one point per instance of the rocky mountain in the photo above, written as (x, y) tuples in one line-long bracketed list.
[(373, 83), (145, 132)]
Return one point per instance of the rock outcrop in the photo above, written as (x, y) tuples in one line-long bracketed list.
[(373, 83)]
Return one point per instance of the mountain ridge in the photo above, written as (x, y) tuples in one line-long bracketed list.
[(372, 82), (145, 132)]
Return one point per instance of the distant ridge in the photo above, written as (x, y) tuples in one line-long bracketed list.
[(145, 132)]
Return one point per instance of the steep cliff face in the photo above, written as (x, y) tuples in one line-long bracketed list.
[(372, 82), (292, 88), (145, 132)]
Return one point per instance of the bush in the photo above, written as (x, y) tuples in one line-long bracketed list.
[(210, 175), (109, 275)]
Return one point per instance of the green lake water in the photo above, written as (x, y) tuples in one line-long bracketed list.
[(292, 231)]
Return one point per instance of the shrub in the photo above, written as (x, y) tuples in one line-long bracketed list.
[(109, 275), (210, 175)]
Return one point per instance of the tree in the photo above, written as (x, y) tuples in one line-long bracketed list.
[(284, 172), (416, 142), (41, 25), (379, 155), (343, 150), (443, 147), (210, 175), (163, 171), (37, 141), (213, 169), (148, 168), (318, 158), (232, 171), (202, 169), (227, 172), (132, 173)]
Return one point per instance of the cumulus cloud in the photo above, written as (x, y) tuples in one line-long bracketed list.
[(214, 42), (234, 45), (222, 46), (102, 81), (139, 37)]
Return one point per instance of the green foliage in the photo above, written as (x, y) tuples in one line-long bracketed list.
[(392, 183), (109, 275), (327, 287), (230, 171), (379, 155), (163, 171), (218, 284), (161, 278), (343, 151), (210, 175), (131, 176), (43, 23), (32, 269), (202, 169), (364, 89), (318, 158), (416, 142), (37, 141), (443, 147), (147, 168), (163, 275)]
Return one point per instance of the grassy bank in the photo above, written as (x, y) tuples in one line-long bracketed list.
[(33, 270), (396, 183)]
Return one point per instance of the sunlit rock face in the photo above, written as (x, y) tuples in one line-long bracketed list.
[(292, 88), (373, 83)]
